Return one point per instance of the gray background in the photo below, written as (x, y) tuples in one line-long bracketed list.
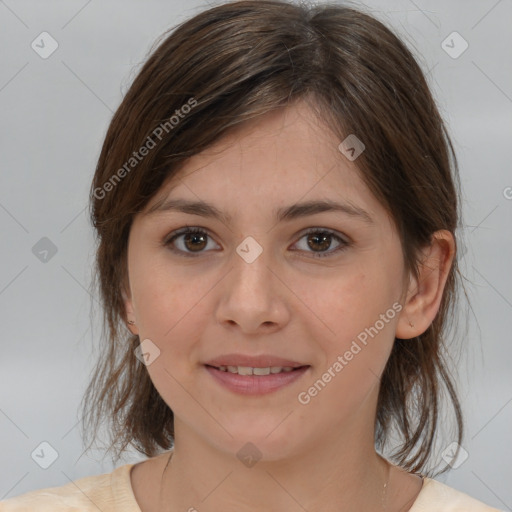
[(54, 115)]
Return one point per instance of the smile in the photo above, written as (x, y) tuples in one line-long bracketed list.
[(249, 370), (249, 380)]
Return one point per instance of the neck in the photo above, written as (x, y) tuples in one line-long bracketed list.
[(350, 476)]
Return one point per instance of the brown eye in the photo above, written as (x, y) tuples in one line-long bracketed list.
[(320, 240), (188, 241), (194, 241)]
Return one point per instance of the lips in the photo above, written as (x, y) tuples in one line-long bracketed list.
[(254, 384), (248, 370), (255, 375), (260, 361)]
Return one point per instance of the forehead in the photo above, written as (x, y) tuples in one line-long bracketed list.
[(286, 140), (284, 157)]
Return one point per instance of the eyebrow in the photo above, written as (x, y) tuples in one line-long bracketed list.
[(288, 213)]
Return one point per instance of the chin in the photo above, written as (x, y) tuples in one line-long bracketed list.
[(253, 445)]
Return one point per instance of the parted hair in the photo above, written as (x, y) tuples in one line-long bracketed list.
[(231, 64)]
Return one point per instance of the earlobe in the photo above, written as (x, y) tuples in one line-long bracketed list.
[(129, 310), (425, 292)]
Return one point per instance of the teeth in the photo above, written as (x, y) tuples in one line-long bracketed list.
[(248, 370), (261, 371)]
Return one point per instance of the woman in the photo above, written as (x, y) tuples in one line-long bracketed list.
[(276, 203)]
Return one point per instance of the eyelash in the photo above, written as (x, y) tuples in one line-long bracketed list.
[(200, 231)]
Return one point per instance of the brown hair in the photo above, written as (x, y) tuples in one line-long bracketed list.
[(233, 63)]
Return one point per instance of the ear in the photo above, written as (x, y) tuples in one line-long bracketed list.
[(128, 307), (424, 293)]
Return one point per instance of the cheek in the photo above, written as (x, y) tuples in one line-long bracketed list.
[(357, 318), (162, 297), (172, 311), (356, 342), (346, 301)]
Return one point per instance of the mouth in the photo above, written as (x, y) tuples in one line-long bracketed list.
[(251, 370), (250, 380)]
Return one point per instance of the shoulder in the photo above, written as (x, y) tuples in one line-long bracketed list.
[(438, 497), (108, 492)]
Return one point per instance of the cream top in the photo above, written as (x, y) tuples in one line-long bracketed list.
[(112, 492)]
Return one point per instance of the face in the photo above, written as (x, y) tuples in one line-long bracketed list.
[(321, 289)]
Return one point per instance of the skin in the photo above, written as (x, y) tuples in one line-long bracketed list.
[(287, 302)]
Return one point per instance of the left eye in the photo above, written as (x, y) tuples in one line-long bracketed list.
[(321, 238), (193, 241)]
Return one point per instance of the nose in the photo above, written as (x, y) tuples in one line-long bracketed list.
[(252, 296)]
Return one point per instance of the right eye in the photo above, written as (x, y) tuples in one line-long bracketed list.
[(190, 241)]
